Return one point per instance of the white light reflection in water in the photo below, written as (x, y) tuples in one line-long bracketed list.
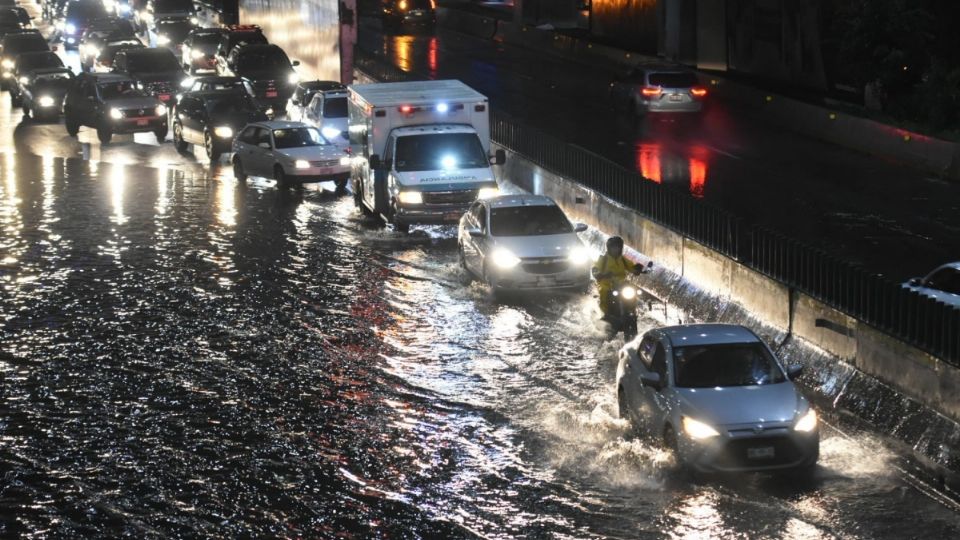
[(118, 179), (226, 204), (699, 518), (162, 202), (11, 221)]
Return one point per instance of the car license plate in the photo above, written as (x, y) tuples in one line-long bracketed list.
[(164, 97), (271, 93), (763, 452), (546, 280), (142, 121), (325, 171), (676, 97), (452, 216)]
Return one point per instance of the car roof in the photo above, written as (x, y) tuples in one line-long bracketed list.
[(201, 94), (519, 199), (281, 124), (109, 77), (708, 334), (258, 47), (434, 128), (323, 86), (198, 31)]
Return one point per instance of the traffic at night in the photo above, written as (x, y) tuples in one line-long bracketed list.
[(476, 269)]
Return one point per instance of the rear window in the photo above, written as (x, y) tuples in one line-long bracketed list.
[(206, 39), (266, 59), (245, 37), (736, 364), (673, 80), (335, 108)]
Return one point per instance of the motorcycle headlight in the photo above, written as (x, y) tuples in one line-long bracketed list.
[(301, 164), (410, 197), (116, 113), (223, 131), (163, 40), (579, 255), (46, 101), (504, 258), (807, 422), (161, 109), (24, 80), (330, 132), (698, 430), (7, 63), (628, 293), (293, 78), (196, 55), (487, 192)]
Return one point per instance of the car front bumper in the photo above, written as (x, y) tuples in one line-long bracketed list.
[(139, 125), (525, 276), (771, 450), (320, 174), (665, 106)]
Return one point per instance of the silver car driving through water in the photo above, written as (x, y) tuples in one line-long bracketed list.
[(719, 398)]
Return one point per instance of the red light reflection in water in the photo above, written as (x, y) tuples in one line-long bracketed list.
[(432, 56), (648, 161), (698, 177)]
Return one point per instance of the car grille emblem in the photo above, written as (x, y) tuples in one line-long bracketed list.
[(757, 430)]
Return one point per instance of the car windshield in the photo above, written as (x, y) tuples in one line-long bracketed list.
[(262, 60), (85, 11), (673, 80), (439, 151), (173, 6), (206, 40), (335, 108), (39, 61), (298, 137), (735, 364), (529, 221), (53, 78), (248, 38), (238, 102), (153, 60), (176, 31), (119, 89)]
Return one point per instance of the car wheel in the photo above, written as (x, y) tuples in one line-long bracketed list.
[(281, 177), (466, 277), (178, 143), (161, 134), (238, 171), (72, 126), (105, 134), (212, 151)]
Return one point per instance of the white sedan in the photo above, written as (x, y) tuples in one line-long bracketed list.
[(289, 152), (517, 242)]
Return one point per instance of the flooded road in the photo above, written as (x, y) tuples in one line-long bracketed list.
[(186, 355)]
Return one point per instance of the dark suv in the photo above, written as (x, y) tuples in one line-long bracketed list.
[(13, 46), (112, 103), (200, 49), (25, 64), (269, 69), (157, 71), (212, 119), (80, 14), (235, 36)]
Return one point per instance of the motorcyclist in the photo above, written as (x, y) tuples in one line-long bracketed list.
[(611, 269)]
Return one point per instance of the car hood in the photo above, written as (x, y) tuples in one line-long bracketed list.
[(165, 76), (552, 245), (441, 180), (236, 120), (741, 404), (133, 102), (279, 75), (314, 153)]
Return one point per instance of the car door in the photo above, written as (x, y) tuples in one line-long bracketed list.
[(90, 109), (652, 399), (245, 140), (637, 365), (943, 284), (314, 110), (262, 157), (469, 243), (189, 111)]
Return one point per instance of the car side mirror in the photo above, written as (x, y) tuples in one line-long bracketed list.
[(652, 380), (264, 145), (794, 371), (916, 281), (475, 233), (295, 63), (374, 161), (580, 227), (499, 157)]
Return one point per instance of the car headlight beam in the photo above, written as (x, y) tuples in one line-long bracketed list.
[(504, 258), (807, 422), (116, 113), (225, 132), (293, 78), (7, 63), (410, 197), (698, 430), (330, 132), (163, 40), (46, 101), (301, 164), (579, 255), (488, 192)]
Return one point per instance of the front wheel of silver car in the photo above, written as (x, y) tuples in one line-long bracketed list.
[(238, 171), (466, 277)]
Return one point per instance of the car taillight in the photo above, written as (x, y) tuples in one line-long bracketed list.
[(698, 92), (650, 91)]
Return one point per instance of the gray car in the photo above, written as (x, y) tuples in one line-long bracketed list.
[(942, 284), (659, 89), (719, 398)]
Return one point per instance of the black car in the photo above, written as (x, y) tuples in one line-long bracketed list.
[(26, 63), (13, 46), (112, 103), (235, 36), (104, 60), (409, 13), (212, 118), (306, 89), (41, 92), (157, 71), (199, 50), (270, 71), (79, 15), (172, 32), (9, 22), (97, 36)]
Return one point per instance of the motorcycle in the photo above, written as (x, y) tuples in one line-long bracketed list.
[(622, 302)]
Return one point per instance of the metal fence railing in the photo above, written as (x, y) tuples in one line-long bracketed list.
[(914, 318)]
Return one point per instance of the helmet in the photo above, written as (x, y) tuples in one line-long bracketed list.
[(614, 242)]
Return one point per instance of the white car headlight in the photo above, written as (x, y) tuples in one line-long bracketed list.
[(187, 83), (194, 21), (46, 101), (504, 258), (225, 131), (293, 78), (24, 80), (70, 28), (124, 8), (410, 197), (7, 63), (330, 132), (161, 109), (579, 255), (698, 430), (301, 164), (807, 422), (163, 40), (196, 55), (116, 113), (345, 161), (487, 192), (628, 293)]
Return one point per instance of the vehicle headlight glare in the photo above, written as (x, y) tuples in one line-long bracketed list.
[(504, 258), (194, 21), (46, 101), (807, 422), (488, 192), (628, 293), (345, 161), (448, 162), (161, 109), (196, 55), (579, 255), (116, 113), (70, 28), (24, 80), (410, 197), (187, 83), (124, 8), (7, 63), (301, 164), (698, 430), (224, 131), (293, 78), (163, 40), (330, 132)]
